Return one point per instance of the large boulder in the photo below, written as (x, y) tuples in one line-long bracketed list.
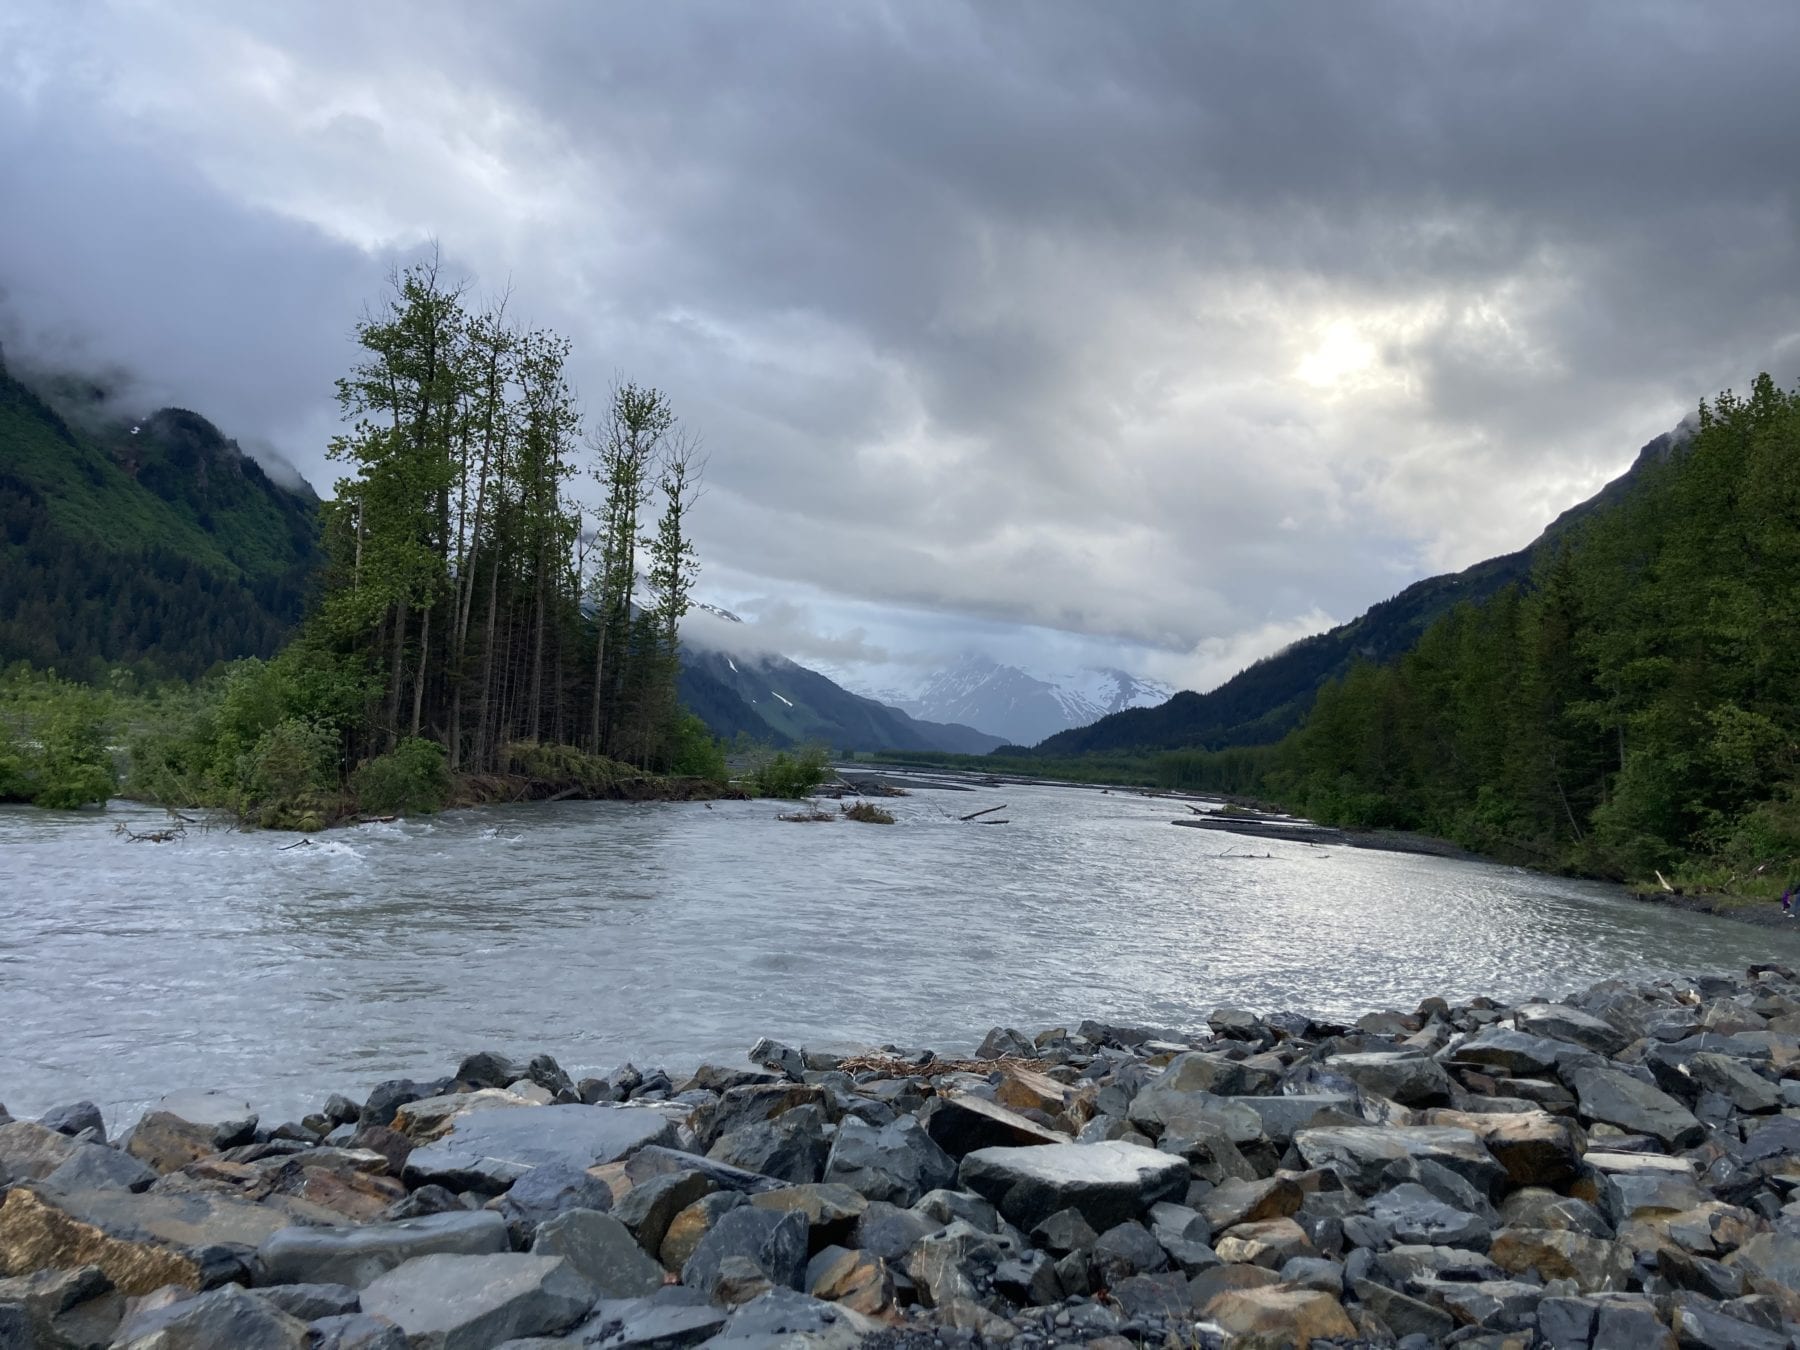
[(1535, 1147), (1499, 1049), (487, 1151), (1279, 1316), (1408, 1078), (1745, 1089), (751, 1104), (960, 1123), (1592, 1263), (1619, 1099), (1559, 1022), (600, 1249), (897, 1162), (789, 1147), (1412, 1214), (1107, 1183), (1361, 1153), (774, 1243), (184, 1127), (357, 1255), (831, 1210), (475, 1302), (544, 1192), (29, 1151), (673, 1318), (227, 1316), (649, 1207)]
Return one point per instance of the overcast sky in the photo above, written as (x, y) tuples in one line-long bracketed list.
[(1147, 334)]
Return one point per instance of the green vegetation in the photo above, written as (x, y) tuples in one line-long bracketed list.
[(53, 742), (788, 774), (867, 813)]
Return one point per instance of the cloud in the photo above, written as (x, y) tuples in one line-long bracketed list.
[(1167, 330)]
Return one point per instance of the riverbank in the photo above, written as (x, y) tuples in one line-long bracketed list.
[(1612, 1170)]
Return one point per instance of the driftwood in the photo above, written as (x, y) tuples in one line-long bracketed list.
[(814, 816), (987, 812), (172, 833), (302, 844)]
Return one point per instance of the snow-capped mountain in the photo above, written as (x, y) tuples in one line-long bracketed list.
[(1023, 707)]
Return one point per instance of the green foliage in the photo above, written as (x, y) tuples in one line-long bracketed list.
[(410, 779), (868, 813), (697, 754), (790, 775), (54, 742), (557, 768)]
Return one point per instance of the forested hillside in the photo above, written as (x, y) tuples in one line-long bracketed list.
[(1264, 702), (1636, 709), (156, 544)]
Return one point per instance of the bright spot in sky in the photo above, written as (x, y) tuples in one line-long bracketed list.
[(1340, 356)]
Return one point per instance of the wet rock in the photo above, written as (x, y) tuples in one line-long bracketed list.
[(671, 1319), (649, 1207), (1410, 1079), (890, 1232), (1619, 1099), (776, 1243), (1235, 1202), (897, 1163), (1282, 1117), (789, 1147), (1592, 1263), (430, 1118), (657, 1160), (1124, 1250), (1271, 1243), (1163, 1111), (46, 1298), (489, 1150), (1416, 1216), (687, 1228), (752, 1104), (1361, 1153), (95, 1167), (357, 1255), (1498, 1049), (831, 1210), (74, 1119), (958, 1262), (1697, 1328), (1403, 1314), (1534, 1147), (227, 1316), (784, 1319), (1107, 1183), (543, 1193), (1216, 1074), (1280, 1317), (141, 1242), (854, 1279), (600, 1249), (960, 1123), (1745, 1089), (447, 1302), (29, 1151), (355, 1331), (1559, 1022), (309, 1302)]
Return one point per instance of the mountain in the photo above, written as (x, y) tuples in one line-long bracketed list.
[(153, 542), (1263, 703), (1024, 708)]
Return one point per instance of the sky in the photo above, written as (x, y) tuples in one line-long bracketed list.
[(1148, 335)]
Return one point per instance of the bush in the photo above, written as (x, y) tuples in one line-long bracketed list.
[(868, 813), (697, 754), (412, 778), (790, 776), (559, 767), (53, 743)]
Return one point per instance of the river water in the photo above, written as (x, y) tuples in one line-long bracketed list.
[(672, 933)]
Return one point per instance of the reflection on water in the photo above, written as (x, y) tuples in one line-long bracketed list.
[(671, 933)]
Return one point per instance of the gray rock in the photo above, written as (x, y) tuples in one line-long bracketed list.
[(750, 1104), (1314, 1272), (474, 1302), (1566, 1323), (227, 1316), (657, 1160), (1441, 1182), (309, 1302), (487, 1151), (671, 1319), (959, 1123), (1416, 1216), (1161, 1294), (958, 1263), (358, 1254), (1505, 1305), (890, 1232), (1505, 1050), (1403, 1314), (784, 1319), (775, 1242), (1362, 1153), (30, 1152), (1631, 1325), (1124, 1250), (1704, 1329), (1029, 1279), (1166, 1111), (1744, 1089), (1560, 1022), (74, 1118), (790, 1147), (602, 1250), (356, 1331), (45, 1296), (543, 1193), (1107, 1183), (648, 1207), (15, 1328), (1282, 1117), (95, 1167), (231, 1120), (898, 1162), (1401, 1076), (1065, 1231), (1619, 1099)]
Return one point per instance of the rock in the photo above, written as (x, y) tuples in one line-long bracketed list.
[(946, 1207), (357, 1255), (790, 1147), (1235, 1202), (1280, 1317), (95, 1167), (29, 1152), (1271, 1243), (1314, 1272), (447, 1302), (1535, 1207), (543, 1193), (738, 1280), (231, 1119), (1559, 1022), (15, 1328), (1619, 1099), (489, 1150), (1022, 1089), (781, 1058), (600, 1249), (1219, 1075), (955, 1263), (1415, 1215), (752, 1104), (1030, 1279), (854, 1279), (227, 1316), (168, 1143), (488, 1069), (671, 1319), (1504, 1050), (898, 1162), (356, 1331), (694, 1223), (142, 1242), (784, 1319), (1107, 1183), (1005, 1042), (1124, 1250), (431, 1118), (960, 1123), (74, 1118), (1745, 1090), (1283, 1116), (776, 1243), (44, 1297), (1361, 1153), (1158, 1294), (1592, 1263), (1410, 1079), (309, 1302), (1535, 1147), (656, 1160), (1184, 1234), (1065, 1231), (648, 1208), (1631, 1326), (831, 1210), (1770, 1264), (1403, 1314), (1703, 1329)]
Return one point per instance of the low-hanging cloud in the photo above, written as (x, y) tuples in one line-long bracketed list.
[(1168, 329)]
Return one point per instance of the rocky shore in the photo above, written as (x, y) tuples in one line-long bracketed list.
[(1610, 1172)]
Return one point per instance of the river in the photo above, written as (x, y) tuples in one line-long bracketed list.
[(668, 934)]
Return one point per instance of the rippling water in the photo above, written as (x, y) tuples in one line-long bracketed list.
[(670, 933)]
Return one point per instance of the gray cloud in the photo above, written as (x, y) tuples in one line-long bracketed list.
[(1174, 328)]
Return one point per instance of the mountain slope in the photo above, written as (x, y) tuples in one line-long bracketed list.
[(156, 543), (775, 699), (1270, 698), (1024, 708)]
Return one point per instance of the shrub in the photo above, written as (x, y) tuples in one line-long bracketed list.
[(790, 776), (697, 753), (412, 778), (868, 813)]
